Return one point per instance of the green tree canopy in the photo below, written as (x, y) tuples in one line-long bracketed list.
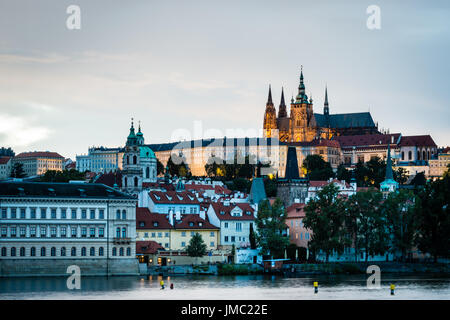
[(159, 167), (432, 213), (270, 224), (62, 176), (324, 216), (17, 170), (177, 166), (196, 247), (317, 168)]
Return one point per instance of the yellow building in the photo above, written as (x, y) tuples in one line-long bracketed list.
[(39, 162), (439, 166)]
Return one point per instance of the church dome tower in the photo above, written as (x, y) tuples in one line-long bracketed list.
[(270, 118)]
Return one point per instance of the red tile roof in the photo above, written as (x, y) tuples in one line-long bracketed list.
[(366, 140), (296, 210), (193, 221), (184, 197), (198, 187), (146, 220), (40, 154), (4, 160), (158, 185), (419, 141), (223, 212), (148, 247), (110, 179)]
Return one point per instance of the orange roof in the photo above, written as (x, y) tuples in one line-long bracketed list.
[(149, 247), (223, 212), (40, 154), (147, 220), (193, 221)]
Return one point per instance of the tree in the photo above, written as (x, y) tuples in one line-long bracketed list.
[(400, 221), (376, 171), (62, 176), (270, 224), (214, 167), (317, 168), (7, 152), (196, 247), (343, 174), (159, 167), (366, 223), (252, 237), (270, 186), (432, 213), (401, 175), (419, 180), (17, 171), (324, 216), (178, 166)]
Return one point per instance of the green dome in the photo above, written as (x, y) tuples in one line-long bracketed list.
[(146, 152)]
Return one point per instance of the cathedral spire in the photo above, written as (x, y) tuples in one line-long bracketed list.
[(282, 110), (326, 110), (269, 98)]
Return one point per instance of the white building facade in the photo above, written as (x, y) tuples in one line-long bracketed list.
[(44, 227)]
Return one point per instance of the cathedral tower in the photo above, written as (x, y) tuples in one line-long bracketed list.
[(270, 118)]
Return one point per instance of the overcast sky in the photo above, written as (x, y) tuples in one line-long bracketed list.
[(171, 63)]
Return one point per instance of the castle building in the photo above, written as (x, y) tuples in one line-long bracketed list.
[(139, 162), (303, 125)]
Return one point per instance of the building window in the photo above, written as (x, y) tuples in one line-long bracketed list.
[(238, 226), (83, 213), (74, 232), (83, 232), (73, 213), (32, 231), (92, 232), (226, 225), (183, 233), (117, 232), (92, 213), (63, 232), (22, 213), (226, 239), (63, 213), (121, 251), (13, 232), (43, 253), (101, 232), (114, 251), (211, 234), (33, 252), (3, 252), (167, 235), (43, 213), (23, 231), (53, 232), (53, 213), (13, 252), (53, 251), (92, 252), (128, 251), (183, 244), (233, 239), (83, 252), (211, 244), (124, 214), (63, 252), (13, 213), (3, 213), (43, 231), (124, 232), (33, 213), (101, 214), (135, 181), (22, 252), (100, 251), (118, 215)]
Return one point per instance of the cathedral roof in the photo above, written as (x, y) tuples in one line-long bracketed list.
[(345, 120), (146, 152)]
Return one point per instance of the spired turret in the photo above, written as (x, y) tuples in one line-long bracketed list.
[(270, 117)]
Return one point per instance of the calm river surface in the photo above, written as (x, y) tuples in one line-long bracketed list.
[(228, 288)]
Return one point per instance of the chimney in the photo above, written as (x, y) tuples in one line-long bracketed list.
[(226, 203), (202, 214), (392, 139), (171, 217), (178, 215)]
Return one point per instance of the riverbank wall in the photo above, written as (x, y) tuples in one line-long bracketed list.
[(58, 267)]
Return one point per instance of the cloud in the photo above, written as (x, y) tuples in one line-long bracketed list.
[(15, 131), (179, 80)]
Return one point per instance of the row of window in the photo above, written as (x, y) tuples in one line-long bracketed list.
[(54, 231), (21, 252), (233, 239), (301, 235), (52, 213), (238, 225)]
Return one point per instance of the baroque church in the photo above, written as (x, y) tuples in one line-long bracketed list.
[(303, 125), (139, 162)]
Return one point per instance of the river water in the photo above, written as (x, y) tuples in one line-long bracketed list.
[(252, 287)]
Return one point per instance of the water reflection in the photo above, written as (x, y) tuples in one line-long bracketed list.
[(226, 287)]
